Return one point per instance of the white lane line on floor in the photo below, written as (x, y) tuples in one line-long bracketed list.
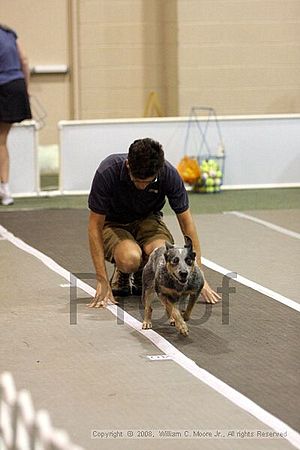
[(270, 225), (168, 349), (252, 284)]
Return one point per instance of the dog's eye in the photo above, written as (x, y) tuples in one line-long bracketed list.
[(175, 260), (189, 261)]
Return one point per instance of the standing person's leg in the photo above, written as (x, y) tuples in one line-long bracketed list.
[(4, 164), (4, 156)]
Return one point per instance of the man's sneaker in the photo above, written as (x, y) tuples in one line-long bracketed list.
[(136, 286), (5, 195), (120, 283)]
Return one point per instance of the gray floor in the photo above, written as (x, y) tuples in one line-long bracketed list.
[(96, 374)]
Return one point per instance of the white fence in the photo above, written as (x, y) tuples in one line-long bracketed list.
[(21, 427), (23, 152), (261, 151)]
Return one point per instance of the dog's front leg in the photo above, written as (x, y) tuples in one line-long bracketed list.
[(187, 313), (147, 300), (175, 316), (172, 319)]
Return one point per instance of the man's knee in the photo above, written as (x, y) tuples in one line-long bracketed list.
[(128, 256)]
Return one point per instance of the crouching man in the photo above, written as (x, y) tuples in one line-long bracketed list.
[(126, 221)]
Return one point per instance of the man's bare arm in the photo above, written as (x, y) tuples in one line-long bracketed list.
[(24, 64), (103, 292), (188, 228)]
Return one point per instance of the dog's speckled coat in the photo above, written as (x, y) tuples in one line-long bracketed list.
[(172, 274)]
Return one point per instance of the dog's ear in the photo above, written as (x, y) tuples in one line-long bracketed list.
[(168, 247), (188, 242)]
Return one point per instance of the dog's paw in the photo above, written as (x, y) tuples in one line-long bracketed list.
[(184, 331), (147, 325), (185, 316), (182, 328)]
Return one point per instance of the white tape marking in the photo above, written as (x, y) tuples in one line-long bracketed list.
[(265, 223), (159, 357), (168, 349), (251, 284)]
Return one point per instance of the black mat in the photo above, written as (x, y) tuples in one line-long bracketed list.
[(253, 345)]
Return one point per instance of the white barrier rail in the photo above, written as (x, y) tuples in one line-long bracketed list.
[(23, 150), (261, 151), (21, 428)]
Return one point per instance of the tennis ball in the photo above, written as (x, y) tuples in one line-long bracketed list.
[(200, 189), (210, 189), (210, 182), (212, 173), (217, 181)]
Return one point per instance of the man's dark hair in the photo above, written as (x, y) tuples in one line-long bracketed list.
[(145, 158)]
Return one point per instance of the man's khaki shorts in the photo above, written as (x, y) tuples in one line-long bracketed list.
[(141, 231)]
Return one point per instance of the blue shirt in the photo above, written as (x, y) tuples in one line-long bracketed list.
[(114, 195), (10, 64)]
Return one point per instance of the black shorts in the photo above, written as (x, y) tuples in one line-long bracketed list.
[(14, 102)]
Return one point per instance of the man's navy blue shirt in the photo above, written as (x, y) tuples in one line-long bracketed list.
[(114, 195)]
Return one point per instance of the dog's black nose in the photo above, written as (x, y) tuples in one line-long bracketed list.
[(183, 275)]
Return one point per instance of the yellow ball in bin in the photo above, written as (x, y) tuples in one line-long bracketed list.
[(204, 166), (210, 189), (210, 182)]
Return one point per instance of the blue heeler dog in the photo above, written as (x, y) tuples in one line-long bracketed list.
[(172, 274)]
